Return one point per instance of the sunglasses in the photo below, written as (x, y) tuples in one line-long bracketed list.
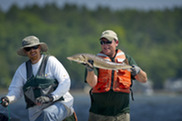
[(29, 48), (105, 42)]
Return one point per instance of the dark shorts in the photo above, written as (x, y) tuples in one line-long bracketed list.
[(96, 117)]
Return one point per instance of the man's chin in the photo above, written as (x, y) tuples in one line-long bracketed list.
[(107, 51)]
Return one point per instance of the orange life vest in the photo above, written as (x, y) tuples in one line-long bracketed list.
[(121, 78)]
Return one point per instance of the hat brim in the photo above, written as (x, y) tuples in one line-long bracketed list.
[(107, 37), (43, 46)]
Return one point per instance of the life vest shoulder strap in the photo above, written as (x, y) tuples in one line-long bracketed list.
[(41, 70), (29, 69)]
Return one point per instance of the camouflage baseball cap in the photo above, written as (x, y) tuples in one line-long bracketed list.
[(109, 35)]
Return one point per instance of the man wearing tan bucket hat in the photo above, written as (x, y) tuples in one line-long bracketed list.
[(44, 82), (111, 88)]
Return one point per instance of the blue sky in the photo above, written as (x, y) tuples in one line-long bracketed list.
[(92, 4)]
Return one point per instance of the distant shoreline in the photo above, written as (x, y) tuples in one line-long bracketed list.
[(114, 5)]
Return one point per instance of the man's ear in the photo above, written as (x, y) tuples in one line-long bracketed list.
[(24, 51), (117, 42)]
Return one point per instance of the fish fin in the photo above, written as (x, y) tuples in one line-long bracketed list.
[(126, 61)]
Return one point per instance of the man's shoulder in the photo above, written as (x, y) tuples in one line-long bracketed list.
[(51, 57), (130, 59)]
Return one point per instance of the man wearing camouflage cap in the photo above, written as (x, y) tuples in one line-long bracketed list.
[(111, 88)]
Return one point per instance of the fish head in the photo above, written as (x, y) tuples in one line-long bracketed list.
[(80, 58)]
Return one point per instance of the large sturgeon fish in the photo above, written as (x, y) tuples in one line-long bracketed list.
[(98, 62)]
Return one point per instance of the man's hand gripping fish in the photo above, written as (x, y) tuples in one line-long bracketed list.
[(98, 62)]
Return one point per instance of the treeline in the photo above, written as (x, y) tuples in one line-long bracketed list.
[(153, 38)]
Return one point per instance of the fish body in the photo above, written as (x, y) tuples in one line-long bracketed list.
[(98, 62)]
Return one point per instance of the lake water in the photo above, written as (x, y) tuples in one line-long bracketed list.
[(157, 107)]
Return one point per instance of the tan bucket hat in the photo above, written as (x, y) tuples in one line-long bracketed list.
[(109, 35), (31, 41)]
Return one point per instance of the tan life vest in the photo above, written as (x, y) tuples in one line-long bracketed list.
[(121, 78)]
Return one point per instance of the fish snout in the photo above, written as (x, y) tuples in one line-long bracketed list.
[(69, 58)]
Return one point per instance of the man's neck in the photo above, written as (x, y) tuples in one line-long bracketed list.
[(35, 60)]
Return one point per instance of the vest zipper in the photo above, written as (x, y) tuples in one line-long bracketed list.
[(112, 75)]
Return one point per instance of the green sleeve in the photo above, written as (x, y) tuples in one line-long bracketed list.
[(130, 60)]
